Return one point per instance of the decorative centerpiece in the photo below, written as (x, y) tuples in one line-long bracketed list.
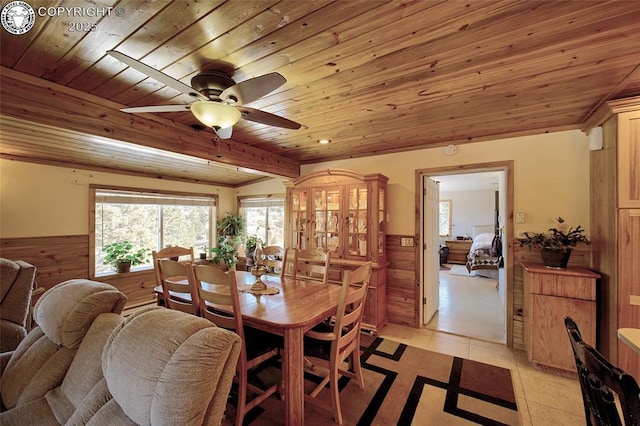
[(556, 245), (258, 271)]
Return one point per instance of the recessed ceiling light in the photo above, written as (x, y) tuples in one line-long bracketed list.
[(323, 141)]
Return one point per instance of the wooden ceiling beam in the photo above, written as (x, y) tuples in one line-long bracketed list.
[(49, 103)]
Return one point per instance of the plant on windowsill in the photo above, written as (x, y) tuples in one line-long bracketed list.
[(122, 257), (203, 253), (556, 245)]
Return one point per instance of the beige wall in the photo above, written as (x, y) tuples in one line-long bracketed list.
[(40, 201), (551, 178)]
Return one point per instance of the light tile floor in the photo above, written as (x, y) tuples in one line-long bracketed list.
[(543, 398), (470, 306), (470, 324)]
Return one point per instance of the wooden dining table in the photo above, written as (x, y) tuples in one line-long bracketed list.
[(299, 306)]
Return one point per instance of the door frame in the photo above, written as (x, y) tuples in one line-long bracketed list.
[(508, 168)]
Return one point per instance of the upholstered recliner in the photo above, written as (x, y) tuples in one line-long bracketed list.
[(159, 366), (16, 284), (64, 314)]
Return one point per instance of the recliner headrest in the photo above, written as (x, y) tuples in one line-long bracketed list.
[(156, 358), (65, 311)]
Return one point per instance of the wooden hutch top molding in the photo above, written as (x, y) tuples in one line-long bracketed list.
[(335, 176), (607, 109)]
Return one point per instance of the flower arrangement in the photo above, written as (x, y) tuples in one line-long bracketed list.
[(560, 238)]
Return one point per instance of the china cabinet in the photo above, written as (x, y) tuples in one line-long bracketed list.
[(345, 213)]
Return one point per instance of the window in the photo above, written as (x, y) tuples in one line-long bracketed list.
[(150, 220), (445, 218), (265, 218)]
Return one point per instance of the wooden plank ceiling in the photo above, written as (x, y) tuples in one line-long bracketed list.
[(373, 77)]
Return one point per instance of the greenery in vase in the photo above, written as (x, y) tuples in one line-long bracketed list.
[(231, 225), (251, 244), (560, 238), (226, 254), (121, 252)]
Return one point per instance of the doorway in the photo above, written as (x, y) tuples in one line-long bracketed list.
[(452, 288)]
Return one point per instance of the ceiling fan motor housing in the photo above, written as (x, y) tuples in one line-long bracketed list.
[(212, 83)]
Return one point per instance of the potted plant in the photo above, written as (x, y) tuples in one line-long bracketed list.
[(122, 256), (250, 248), (556, 245), (225, 255), (232, 225), (203, 253)]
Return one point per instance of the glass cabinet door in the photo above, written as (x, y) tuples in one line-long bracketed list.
[(381, 221), (299, 219), (357, 221), (326, 220)]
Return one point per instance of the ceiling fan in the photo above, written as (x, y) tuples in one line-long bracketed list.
[(219, 100)]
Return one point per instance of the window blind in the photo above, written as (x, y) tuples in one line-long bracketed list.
[(128, 197)]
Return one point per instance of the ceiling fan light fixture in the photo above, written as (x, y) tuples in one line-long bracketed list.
[(215, 114)]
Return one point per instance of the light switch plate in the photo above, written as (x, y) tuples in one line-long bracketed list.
[(520, 217), (406, 242)]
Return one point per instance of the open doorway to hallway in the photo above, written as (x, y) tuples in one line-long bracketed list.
[(474, 306)]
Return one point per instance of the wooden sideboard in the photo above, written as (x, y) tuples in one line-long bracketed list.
[(458, 251), (550, 295)]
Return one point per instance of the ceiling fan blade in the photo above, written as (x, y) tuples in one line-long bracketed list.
[(252, 89), (263, 117), (157, 75), (158, 108)]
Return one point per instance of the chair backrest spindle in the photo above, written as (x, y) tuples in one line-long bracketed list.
[(178, 290), (599, 380), (312, 264)]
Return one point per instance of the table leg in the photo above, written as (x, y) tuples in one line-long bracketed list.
[(293, 376)]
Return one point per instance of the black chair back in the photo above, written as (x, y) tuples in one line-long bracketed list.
[(599, 381)]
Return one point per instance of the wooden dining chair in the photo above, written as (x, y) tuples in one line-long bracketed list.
[(272, 257), (602, 383), (329, 346), (172, 253), (220, 304), (289, 263), (312, 264), (178, 291)]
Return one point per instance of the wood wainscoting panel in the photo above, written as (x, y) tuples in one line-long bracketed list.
[(138, 286), (401, 282), (57, 258), (62, 258)]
